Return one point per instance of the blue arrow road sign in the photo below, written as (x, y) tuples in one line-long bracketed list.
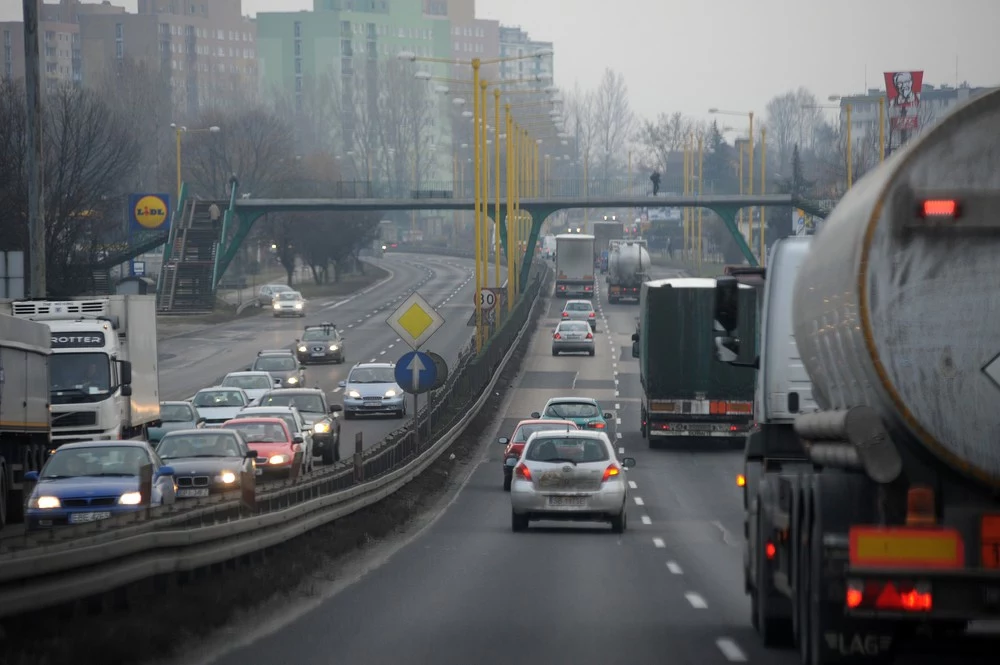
[(416, 372)]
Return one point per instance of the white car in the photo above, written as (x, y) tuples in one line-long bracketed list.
[(569, 475), (219, 404), (254, 384)]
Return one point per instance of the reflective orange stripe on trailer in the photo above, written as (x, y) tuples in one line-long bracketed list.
[(908, 548)]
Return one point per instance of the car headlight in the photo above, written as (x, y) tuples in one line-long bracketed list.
[(334, 347), (298, 305), (130, 499), (291, 379), (321, 428), (46, 502), (390, 393), (302, 349), (227, 477), (278, 459), (354, 394), (277, 306)]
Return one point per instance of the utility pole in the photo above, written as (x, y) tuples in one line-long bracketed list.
[(36, 193)]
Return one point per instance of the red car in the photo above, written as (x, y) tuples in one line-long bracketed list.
[(274, 444), (515, 444)]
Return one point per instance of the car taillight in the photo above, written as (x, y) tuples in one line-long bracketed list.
[(597, 425), (565, 315), (590, 335), (521, 471), (611, 472), (591, 315), (557, 336)]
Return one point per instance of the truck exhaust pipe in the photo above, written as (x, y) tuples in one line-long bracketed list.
[(854, 438)]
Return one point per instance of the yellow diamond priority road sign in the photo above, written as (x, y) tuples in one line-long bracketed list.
[(415, 320)]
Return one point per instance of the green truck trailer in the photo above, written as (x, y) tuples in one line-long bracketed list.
[(686, 396)]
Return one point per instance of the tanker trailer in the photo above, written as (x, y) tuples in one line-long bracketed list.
[(882, 522), (628, 263)]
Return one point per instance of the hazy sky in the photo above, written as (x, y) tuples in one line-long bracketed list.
[(689, 55)]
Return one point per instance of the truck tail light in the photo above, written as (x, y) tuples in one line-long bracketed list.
[(894, 596), (920, 506)]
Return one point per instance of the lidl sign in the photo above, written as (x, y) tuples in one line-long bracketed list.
[(149, 212)]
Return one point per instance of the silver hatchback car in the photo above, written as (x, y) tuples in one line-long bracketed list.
[(572, 337), (289, 303), (580, 310), (569, 475)]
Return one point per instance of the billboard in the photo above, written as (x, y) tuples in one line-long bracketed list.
[(149, 212), (902, 90)]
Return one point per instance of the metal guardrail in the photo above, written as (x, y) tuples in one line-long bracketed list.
[(59, 570)]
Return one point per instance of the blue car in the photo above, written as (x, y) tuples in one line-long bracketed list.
[(95, 480)]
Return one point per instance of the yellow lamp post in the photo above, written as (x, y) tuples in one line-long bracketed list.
[(763, 190), (181, 129)]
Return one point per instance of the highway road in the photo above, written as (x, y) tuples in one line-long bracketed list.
[(468, 590), (200, 359)]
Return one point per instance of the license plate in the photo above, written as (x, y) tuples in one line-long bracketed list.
[(318, 353), (200, 491), (564, 501), (574, 337), (83, 518)]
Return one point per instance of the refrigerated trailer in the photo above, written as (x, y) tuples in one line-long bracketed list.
[(874, 515), (575, 265)]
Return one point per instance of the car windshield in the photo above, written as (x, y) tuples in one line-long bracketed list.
[(287, 417), (572, 410), (95, 461), (248, 382), (279, 288), (176, 413), (203, 444), (208, 399), (318, 336), (373, 375), (258, 432), (524, 431), (288, 295), (302, 402), (578, 451), (275, 364), (574, 326), (579, 307)]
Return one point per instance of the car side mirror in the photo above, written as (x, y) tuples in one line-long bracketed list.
[(252, 454), (166, 471), (334, 408), (535, 414), (297, 439), (302, 368), (727, 304), (635, 349), (608, 416), (628, 462), (31, 477), (126, 391), (503, 441), (727, 349), (342, 384)]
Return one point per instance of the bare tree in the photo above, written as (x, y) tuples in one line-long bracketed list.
[(660, 138), (613, 118), (792, 119), (580, 117), (358, 103), (404, 123), (90, 156), (314, 114)]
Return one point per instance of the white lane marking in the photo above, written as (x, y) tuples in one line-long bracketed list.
[(645, 519), (350, 325), (658, 543), (372, 360), (730, 650), (391, 345), (618, 421), (337, 389), (674, 568), (618, 435), (617, 394), (696, 601), (639, 501), (617, 405), (381, 353), (398, 340), (632, 485), (621, 450)]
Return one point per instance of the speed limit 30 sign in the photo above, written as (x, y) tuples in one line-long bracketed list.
[(487, 299)]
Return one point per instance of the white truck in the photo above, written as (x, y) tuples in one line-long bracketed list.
[(24, 409), (104, 383), (574, 265), (873, 513), (628, 263)]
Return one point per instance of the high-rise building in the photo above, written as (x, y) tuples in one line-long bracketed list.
[(204, 50), (59, 45), (515, 42)]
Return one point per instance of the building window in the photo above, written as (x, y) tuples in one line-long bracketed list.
[(297, 29), (298, 66), (298, 49)]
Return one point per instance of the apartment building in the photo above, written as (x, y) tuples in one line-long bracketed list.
[(59, 45), (515, 42), (204, 50)]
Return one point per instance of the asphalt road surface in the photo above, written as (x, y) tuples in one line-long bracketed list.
[(468, 590), (200, 359)]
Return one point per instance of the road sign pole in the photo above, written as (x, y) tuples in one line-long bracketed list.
[(416, 420)]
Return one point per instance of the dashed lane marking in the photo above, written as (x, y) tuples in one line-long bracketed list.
[(638, 501), (674, 568), (645, 519), (731, 650), (632, 485), (658, 543), (696, 601)]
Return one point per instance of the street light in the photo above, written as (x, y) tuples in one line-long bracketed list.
[(467, 114), (458, 101), (423, 76), (181, 129)]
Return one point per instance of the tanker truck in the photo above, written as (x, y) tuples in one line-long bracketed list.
[(628, 262), (873, 518)]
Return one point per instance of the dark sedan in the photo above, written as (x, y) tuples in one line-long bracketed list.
[(206, 461)]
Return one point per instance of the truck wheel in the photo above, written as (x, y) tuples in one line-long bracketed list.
[(803, 591), (774, 631)]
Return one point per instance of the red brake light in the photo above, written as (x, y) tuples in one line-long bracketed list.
[(565, 315), (557, 336), (610, 472), (521, 471), (591, 315), (597, 425), (590, 335), (940, 208)]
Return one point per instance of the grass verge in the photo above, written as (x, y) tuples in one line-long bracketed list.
[(158, 624)]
